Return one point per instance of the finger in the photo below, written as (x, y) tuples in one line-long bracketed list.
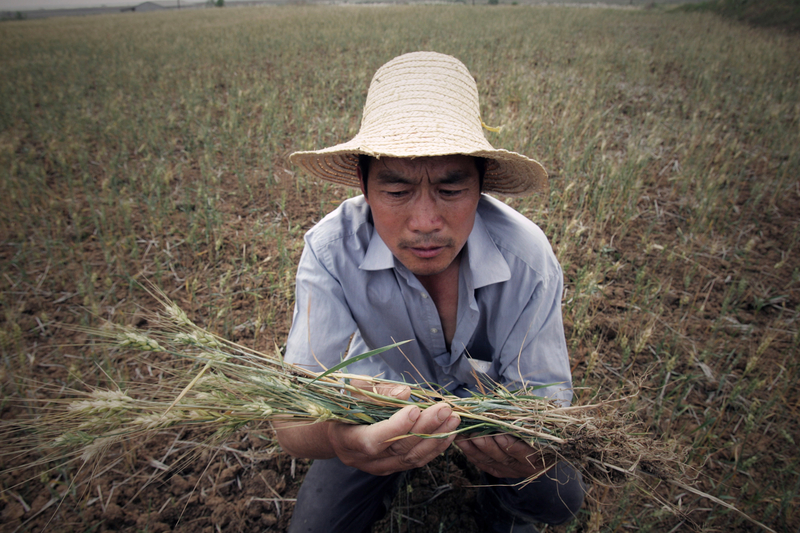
[(474, 454), (488, 451), (365, 383), (520, 451), (394, 390), (504, 463), (426, 449), (433, 420), (505, 456), (373, 440), (417, 457), (482, 452), (404, 457), (401, 392), (360, 384)]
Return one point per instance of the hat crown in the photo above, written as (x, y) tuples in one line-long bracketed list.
[(422, 92)]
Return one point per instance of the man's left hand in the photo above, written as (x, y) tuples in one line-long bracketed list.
[(502, 456)]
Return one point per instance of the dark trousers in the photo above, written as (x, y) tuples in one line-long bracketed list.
[(338, 498)]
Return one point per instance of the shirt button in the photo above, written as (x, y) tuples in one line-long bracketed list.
[(424, 296), (434, 330)]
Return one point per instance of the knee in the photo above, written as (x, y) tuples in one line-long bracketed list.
[(568, 501), (554, 498), (570, 492)]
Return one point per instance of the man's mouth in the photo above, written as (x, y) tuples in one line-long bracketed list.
[(426, 252), (426, 248)]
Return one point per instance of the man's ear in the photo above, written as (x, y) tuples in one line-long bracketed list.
[(361, 182)]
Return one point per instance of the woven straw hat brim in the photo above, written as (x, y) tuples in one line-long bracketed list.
[(424, 104), (507, 173)]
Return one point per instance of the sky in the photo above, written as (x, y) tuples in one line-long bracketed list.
[(24, 5)]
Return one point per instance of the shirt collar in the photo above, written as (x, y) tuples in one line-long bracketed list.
[(378, 256), (486, 263)]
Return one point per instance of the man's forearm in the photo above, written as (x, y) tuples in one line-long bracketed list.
[(304, 439)]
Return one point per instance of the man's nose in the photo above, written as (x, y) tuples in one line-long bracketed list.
[(425, 216)]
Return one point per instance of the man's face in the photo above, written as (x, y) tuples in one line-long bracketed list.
[(424, 208)]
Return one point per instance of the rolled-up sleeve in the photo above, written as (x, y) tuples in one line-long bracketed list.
[(535, 351), (322, 323)]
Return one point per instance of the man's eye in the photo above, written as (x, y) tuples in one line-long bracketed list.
[(396, 194), (450, 192)]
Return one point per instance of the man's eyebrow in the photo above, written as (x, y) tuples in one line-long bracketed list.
[(390, 177), (454, 177)]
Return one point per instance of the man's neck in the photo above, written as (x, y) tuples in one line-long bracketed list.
[(443, 290)]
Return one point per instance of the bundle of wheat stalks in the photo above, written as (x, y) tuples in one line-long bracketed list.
[(230, 386)]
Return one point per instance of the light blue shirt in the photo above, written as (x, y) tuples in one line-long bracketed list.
[(353, 296)]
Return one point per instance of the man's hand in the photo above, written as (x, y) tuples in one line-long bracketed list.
[(372, 448), (502, 456)]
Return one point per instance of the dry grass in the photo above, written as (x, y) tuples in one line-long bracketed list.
[(226, 386)]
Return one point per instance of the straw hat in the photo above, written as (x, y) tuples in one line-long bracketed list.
[(424, 104)]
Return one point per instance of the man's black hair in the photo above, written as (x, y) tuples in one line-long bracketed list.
[(364, 162)]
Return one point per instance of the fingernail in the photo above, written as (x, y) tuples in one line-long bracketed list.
[(413, 414), (397, 391), (454, 421), (443, 414)]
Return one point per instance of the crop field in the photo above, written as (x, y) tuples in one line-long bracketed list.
[(154, 148)]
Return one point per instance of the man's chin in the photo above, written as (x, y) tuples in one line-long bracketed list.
[(421, 267)]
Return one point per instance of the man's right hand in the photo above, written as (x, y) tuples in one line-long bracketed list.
[(373, 448)]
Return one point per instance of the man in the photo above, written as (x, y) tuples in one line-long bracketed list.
[(425, 255)]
